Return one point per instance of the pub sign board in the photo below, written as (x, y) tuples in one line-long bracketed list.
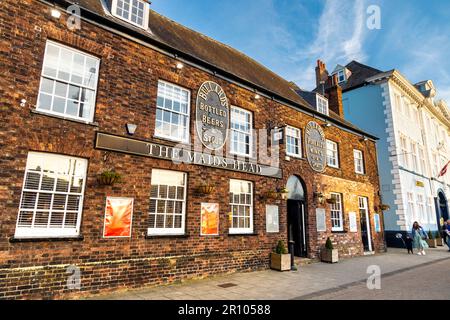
[(212, 115), (316, 151)]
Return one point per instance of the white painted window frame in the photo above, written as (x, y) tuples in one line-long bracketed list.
[(23, 232), (332, 153), (322, 104), (298, 137), (180, 114), (358, 161), (145, 17), (249, 134), (56, 79), (169, 231), (248, 230), (337, 209)]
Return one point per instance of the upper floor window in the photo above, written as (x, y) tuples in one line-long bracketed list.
[(172, 112), (332, 154), (359, 161), (341, 76), (241, 131), (52, 196), (68, 83), (404, 151), (322, 104), (133, 11), (415, 162), (293, 142)]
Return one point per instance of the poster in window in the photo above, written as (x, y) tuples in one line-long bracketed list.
[(118, 217), (376, 218), (320, 220), (272, 224), (209, 219), (352, 222)]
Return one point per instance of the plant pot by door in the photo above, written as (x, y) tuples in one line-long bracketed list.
[(280, 262), (329, 255), (431, 243)]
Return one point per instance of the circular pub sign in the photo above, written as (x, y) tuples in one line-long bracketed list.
[(212, 115), (315, 145)]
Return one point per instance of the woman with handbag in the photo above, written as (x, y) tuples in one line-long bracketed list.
[(419, 236)]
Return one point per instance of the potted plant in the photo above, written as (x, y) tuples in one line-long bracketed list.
[(331, 200), (205, 188), (329, 254), (108, 178), (439, 240), (280, 259), (431, 241), (270, 195)]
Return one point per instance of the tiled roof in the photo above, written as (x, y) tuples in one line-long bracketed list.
[(360, 72)]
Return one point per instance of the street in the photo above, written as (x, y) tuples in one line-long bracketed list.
[(403, 276)]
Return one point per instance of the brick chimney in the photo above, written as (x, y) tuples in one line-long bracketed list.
[(333, 92), (321, 75)]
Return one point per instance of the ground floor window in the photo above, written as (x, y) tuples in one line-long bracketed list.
[(241, 202), (167, 202), (337, 223), (52, 196)]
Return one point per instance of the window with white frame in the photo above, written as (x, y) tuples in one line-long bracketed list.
[(398, 103), (430, 209), (322, 104), (293, 141), (404, 153), (68, 83), (52, 196), (167, 202), (421, 208), (332, 154), (435, 164), (359, 161), (341, 76), (241, 203), (132, 11), (423, 163), (414, 160), (172, 112), (241, 131), (337, 219), (411, 210)]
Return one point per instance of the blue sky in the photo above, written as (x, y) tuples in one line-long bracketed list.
[(288, 36)]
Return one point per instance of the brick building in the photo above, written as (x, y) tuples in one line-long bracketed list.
[(119, 92)]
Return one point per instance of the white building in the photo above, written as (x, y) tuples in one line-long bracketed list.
[(414, 143)]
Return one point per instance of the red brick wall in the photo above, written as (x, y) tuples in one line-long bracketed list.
[(127, 94)]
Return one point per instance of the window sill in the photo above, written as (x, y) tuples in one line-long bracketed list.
[(160, 236), (294, 156), (42, 239), (155, 136), (93, 124), (338, 232), (241, 234)]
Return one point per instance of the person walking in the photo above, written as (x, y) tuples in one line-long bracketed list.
[(446, 233), (419, 236)]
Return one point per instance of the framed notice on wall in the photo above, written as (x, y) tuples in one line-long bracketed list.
[(118, 217), (209, 219), (377, 225), (272, 219), (353, 224), (320, 220)]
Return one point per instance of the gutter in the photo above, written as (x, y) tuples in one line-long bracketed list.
[(133, 35)]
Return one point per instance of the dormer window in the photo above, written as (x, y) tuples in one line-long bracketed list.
[(341, 76), (133, 11), (322, 104)]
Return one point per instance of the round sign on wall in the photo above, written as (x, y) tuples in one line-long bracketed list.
[(316, 146), (212, 115)]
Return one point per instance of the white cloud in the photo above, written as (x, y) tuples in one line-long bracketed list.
[(340, 35)]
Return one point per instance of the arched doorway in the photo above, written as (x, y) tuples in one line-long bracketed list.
[(296, 210), (443, 207)]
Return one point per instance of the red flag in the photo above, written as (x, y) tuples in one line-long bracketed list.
[(444, 170)]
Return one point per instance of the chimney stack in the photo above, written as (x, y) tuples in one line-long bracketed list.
[(334, 94), (321, 74)]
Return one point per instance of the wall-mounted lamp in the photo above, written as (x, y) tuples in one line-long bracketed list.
[(180, 66), (56, 13), (364, 138), (23, 102), (327, 124), (257, 97), (131, 128)]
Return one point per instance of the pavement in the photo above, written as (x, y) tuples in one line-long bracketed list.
[(344, 280)]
